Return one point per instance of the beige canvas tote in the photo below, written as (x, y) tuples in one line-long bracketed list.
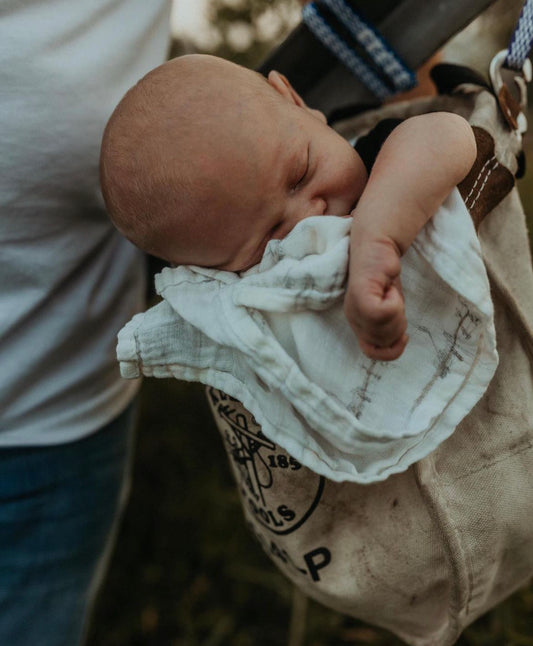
[(427, 551)]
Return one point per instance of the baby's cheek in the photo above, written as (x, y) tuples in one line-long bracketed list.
[(359, 175)]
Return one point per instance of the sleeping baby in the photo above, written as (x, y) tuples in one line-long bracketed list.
[(203, 162)]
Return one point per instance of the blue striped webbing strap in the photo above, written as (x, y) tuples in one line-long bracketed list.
[(522, 38), (397, 76)]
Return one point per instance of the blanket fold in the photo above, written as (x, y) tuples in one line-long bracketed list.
[(276, 339)]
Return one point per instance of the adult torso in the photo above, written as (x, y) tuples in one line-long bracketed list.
[(68, 281)]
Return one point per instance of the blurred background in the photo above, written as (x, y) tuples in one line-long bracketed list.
[(185, 570)]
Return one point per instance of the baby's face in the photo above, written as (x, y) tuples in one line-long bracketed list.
[(285, 166)]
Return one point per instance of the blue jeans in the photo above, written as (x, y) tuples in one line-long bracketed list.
[(58, 507)]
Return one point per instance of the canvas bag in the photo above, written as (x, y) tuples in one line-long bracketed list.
[(427, 551)]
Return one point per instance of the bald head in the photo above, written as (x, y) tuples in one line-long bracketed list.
[(169, 146)]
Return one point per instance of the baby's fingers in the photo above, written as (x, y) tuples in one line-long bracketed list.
[(379, 322), (389, 353), (379, 318)]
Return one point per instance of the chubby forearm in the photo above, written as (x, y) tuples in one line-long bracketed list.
[(419, 164), (417, 167)]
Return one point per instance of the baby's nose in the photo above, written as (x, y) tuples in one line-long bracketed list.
[(309, 207), (320, 206), (305, 208)]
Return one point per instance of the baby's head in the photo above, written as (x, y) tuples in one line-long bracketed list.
[(204, 161)]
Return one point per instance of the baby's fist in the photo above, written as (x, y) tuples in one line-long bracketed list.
[(374, 304)]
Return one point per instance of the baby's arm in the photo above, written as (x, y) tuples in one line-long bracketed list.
[(417, 167)]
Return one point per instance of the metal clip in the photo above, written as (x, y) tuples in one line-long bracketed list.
[(512, 100)]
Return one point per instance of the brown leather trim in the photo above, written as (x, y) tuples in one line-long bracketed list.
[(488, 182)]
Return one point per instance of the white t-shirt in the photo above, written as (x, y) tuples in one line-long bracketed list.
[(68, 281)]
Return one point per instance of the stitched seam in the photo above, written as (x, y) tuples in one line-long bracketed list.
[(461, 577), (483, 185), (493, 158)]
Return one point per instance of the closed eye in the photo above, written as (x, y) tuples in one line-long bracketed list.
[(303, 174)]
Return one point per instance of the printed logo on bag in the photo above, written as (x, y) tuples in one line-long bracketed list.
[(276, 489)]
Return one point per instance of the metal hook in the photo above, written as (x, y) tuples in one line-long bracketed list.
[(511, 107)]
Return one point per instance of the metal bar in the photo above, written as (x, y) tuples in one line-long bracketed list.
[(416, 29)]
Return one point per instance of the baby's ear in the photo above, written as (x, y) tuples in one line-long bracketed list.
[(281, 84)]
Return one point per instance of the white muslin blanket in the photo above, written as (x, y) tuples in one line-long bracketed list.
[(276, 339)]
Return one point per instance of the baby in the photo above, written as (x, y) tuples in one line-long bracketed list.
[(203, 162)]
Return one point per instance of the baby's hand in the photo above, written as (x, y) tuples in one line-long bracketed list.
[(373, 303)]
